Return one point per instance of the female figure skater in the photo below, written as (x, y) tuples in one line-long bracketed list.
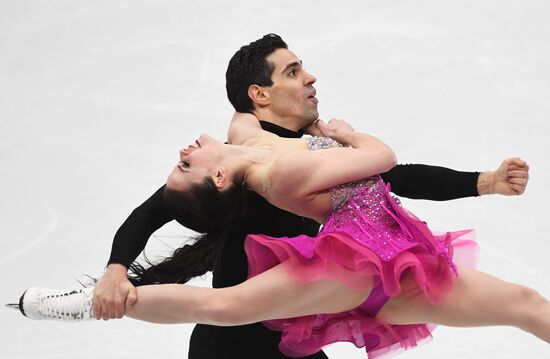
[(374, 275)]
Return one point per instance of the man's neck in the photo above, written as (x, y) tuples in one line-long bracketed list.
[(279, 130), (290, 124)]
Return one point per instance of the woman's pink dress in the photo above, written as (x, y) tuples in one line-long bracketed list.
[(368, 242)]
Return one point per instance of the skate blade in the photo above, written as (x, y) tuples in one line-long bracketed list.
[(13, 306)]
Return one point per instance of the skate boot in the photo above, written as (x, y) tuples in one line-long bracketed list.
[(71, 305)]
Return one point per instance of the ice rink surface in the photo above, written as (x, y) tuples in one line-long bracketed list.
[(96, 97)]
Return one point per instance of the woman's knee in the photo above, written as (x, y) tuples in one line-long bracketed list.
[(528, 302)]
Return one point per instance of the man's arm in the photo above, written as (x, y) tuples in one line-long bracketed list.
[(435, 183), (243, 127), (132, 236), (113, 291)]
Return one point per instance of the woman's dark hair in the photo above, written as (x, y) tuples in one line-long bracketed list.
[(202, 208), (249, 66)]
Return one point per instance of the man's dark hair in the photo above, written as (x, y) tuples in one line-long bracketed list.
[(248, 67)]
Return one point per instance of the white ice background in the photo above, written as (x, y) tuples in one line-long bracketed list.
[(97, 96)]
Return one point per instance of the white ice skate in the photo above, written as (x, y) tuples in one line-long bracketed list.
[(71, 305)]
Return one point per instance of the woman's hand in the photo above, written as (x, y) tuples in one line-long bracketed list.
[(338, 130), (312, 129)]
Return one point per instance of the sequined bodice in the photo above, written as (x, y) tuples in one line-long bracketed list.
[(363, 210)]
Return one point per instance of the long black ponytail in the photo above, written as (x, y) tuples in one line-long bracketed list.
[(206, 210)]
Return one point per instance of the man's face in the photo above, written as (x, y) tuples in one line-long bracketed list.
[(292, 93)]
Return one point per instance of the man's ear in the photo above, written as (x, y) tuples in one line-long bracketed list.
[(259, 95), (221, 179)]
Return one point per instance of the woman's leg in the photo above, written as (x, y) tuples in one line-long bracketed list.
[(477, 299), (270, 295)]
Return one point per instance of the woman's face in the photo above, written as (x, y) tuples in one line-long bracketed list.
[(196, 161)]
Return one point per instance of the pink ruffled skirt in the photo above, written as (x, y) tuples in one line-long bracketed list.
[(432, 260)]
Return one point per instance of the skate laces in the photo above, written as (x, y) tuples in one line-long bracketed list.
[(70, 305)]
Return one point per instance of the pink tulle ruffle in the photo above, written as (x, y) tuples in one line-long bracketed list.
[(336, 255)]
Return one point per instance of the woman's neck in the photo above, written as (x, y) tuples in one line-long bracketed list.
[(242, 159)]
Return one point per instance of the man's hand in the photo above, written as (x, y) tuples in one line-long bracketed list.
[(113, 293), (509, 179)]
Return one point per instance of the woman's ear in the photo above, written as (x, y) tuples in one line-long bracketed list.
[(259, 95), (221, 179)]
